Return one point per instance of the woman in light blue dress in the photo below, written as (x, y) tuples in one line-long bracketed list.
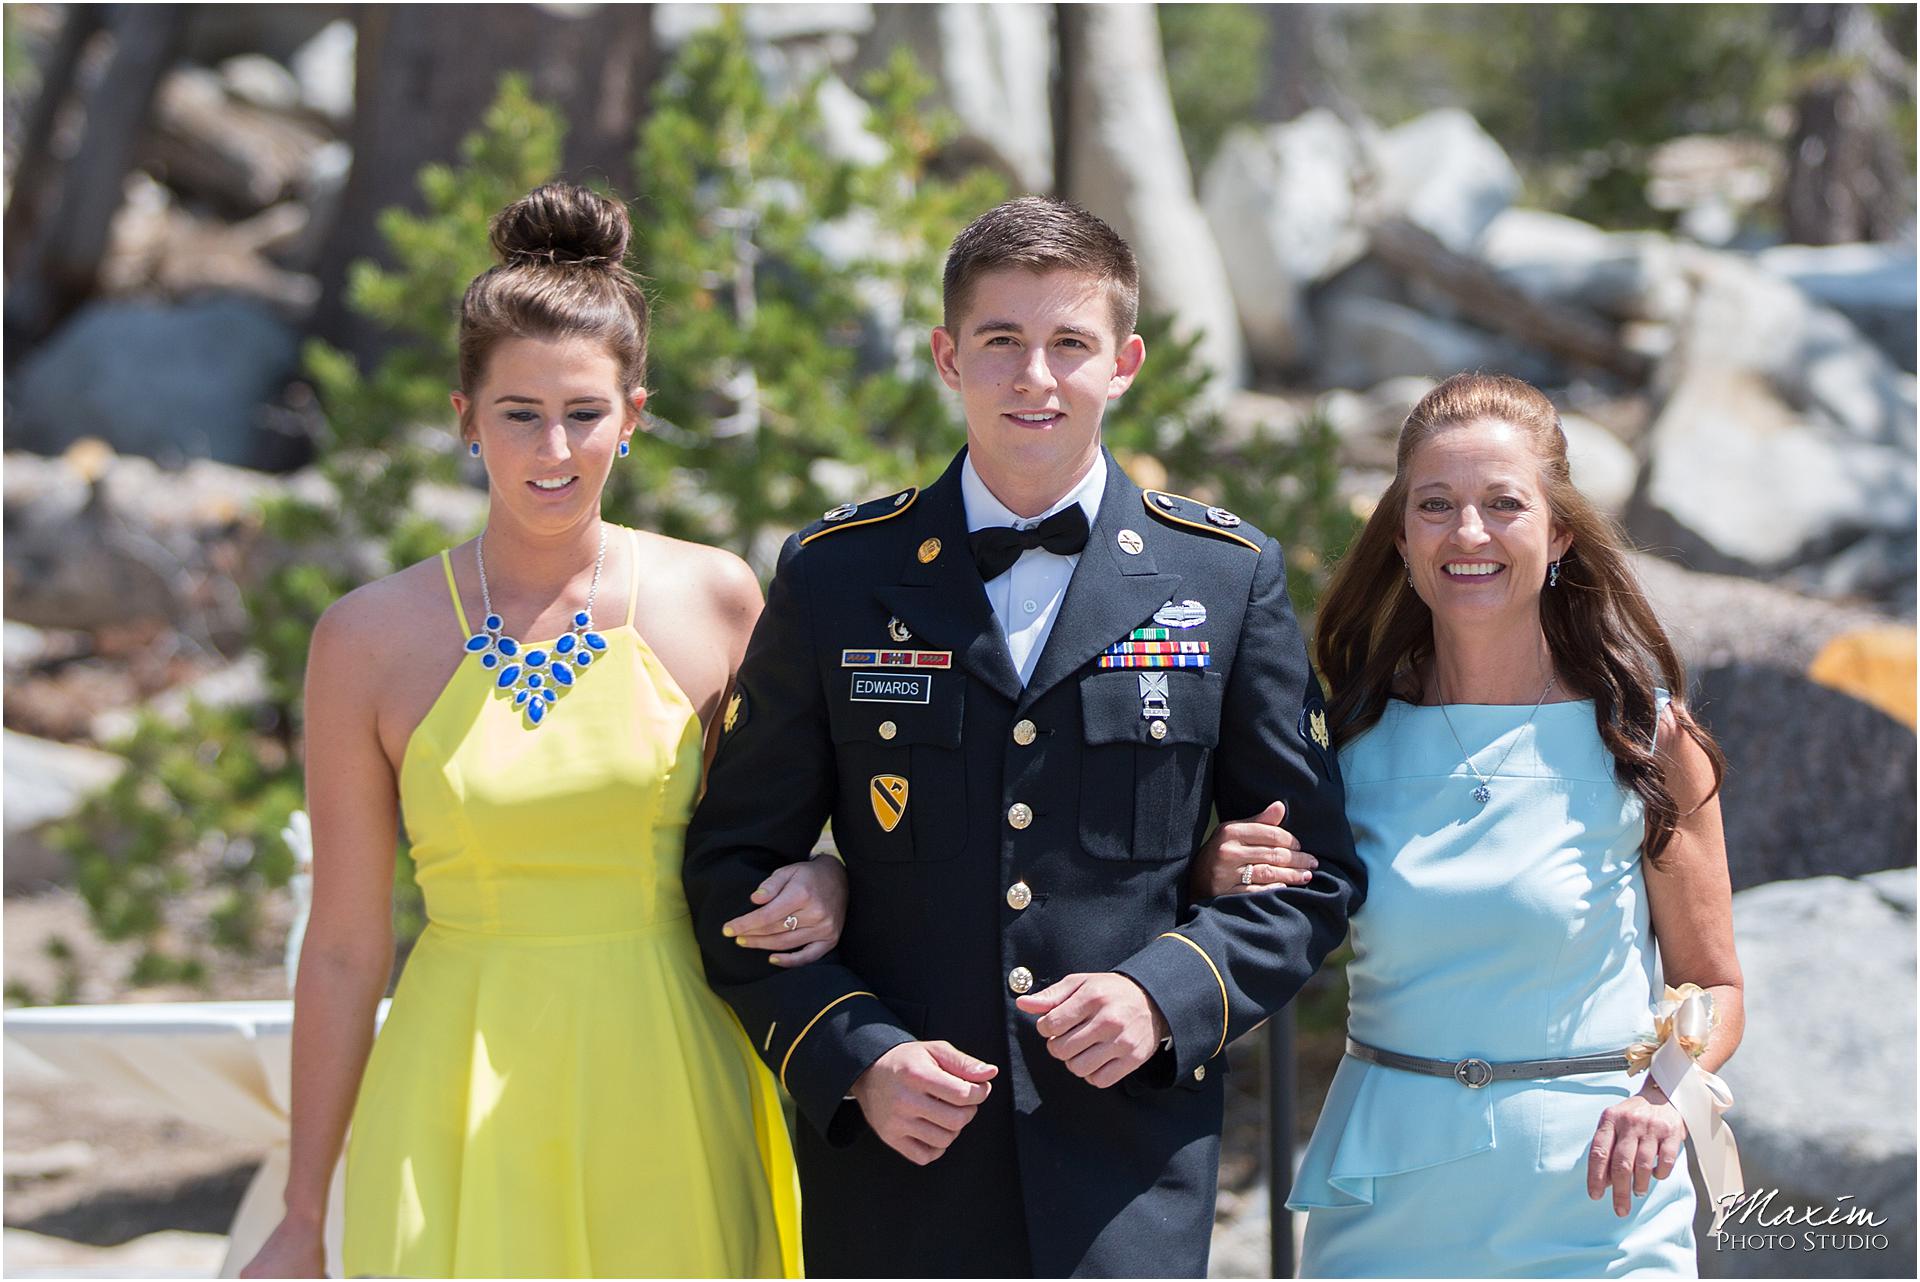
[(1542, 840)]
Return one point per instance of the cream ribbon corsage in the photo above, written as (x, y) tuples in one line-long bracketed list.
[(1682, 1022)]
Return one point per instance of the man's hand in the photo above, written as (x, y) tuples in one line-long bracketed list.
[(1101, 1027), (1257, 849), (920, 1095)]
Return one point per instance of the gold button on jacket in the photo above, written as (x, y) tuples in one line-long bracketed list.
[(984, 764)]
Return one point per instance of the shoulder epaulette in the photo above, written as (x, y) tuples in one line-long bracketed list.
[(848, 515), (1192, 514)]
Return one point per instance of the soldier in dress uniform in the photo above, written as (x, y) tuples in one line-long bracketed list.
[(1019, 695)]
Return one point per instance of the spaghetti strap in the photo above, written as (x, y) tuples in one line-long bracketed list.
[(453, 589), (633, 574)]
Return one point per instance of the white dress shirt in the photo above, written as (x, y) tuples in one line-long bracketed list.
[(1026, 599)]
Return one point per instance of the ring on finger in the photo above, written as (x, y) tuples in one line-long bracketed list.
[(1246, 874), (790, 922)]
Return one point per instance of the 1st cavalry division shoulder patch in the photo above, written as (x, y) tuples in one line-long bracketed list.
[(888, 794)]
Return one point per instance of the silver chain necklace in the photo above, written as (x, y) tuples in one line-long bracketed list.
[(1484, 793), (533, 676)]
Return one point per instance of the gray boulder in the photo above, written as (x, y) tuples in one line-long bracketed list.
[(1713, 184), (1281, 204), (1624, 275), (1823, 1082), (323, 70), (1445, 173), (1363, 341), (1871, 285), (168, 382), (259, 80), (1603, 465), (1818, 781), (1715, 488), (1715, 620), (1746, 318), (1130, 167), (45, 783), (94, 540)]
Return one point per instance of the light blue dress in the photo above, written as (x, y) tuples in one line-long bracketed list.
[(1512, 930)]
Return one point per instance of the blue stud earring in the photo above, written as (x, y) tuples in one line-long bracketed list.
[(473, 448), (623, 449)]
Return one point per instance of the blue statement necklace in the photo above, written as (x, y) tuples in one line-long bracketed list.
[(534, 677)]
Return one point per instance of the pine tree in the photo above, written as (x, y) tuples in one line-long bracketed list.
[(793, 291)]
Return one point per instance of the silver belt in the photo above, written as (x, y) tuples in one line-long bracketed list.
[(1475, 1073)]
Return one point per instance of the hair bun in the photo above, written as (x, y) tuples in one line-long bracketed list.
[(562, 223)]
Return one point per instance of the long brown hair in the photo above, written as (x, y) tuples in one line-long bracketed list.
[(1375, 633), (561, 275)]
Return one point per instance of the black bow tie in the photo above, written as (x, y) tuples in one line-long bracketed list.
[(997, 547)]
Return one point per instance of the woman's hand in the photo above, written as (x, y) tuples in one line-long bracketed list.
[(813, 895), (294, 1250), (1259, 843), (1638, 1141)]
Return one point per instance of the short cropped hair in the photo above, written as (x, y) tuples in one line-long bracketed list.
[(1039, 233)]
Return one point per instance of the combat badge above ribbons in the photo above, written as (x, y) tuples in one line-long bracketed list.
[(1186, 614)]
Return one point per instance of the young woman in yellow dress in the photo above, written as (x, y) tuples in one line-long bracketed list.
[(556, 1092)]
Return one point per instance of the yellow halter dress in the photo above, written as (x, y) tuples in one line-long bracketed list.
[(556, 1092)]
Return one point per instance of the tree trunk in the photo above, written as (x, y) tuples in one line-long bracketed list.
[(1845, 176), (63, 262), (1485, 299), (423, 76), (1298, 79), (1126, 163), (33, 173)]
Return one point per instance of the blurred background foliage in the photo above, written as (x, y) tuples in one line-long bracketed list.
[(787, 375), (1577, 94), (793, 288)]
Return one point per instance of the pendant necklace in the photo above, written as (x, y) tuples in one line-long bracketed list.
[(1484, 792), (533, 676)]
